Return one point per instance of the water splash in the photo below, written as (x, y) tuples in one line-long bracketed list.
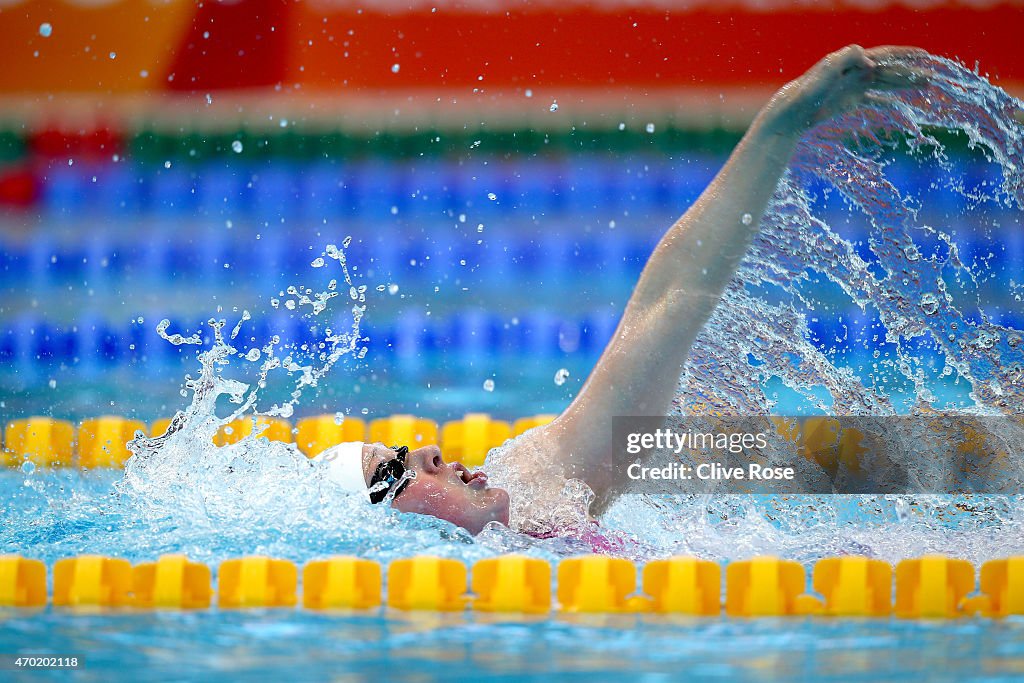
[(908, 291), (254, 483), (905, 280)]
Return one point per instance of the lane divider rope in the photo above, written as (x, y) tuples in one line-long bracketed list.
[(929, 587)]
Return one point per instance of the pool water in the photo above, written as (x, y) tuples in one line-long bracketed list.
[(273, 645), (50, 515)]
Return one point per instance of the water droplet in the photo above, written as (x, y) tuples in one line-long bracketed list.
[(392, 289), (560, 376), (746, 219), (113, 55), (902, 509), (492, 196), (53, 384), (144, 74), (253, 355), (554, 106), (649, 127), (45, 29), (929, 303), (529, 93), (986, 340), (395, 68), (236, 146), (622, 126), (488, 384), (28, 467), (317, 263)]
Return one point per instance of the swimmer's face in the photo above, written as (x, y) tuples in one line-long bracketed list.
[(445, 490)]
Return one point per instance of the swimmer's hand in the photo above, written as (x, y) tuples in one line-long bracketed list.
[(843, 81)]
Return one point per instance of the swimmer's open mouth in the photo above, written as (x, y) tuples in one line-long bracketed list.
[(475, 479)]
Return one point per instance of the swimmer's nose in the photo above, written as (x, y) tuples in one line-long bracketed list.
[(427, 459)]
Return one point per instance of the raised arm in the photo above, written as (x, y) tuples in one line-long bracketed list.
[(685, 277)]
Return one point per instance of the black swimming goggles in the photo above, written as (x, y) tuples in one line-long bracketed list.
[(389, 473)]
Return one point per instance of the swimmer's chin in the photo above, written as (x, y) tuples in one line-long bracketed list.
[(496, 511), (505, 504)]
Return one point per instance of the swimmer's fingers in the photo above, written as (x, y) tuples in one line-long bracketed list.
[(899, 77), (895, 53), (841, 82)]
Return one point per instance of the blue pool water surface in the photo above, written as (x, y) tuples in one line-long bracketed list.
[(274, 645), (61, 514)]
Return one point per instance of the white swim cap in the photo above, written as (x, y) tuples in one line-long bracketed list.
[(344, 466)]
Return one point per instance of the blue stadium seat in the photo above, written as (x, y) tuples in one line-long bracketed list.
[(70, 263), (171, 192), (526, 256), (323, 190), (182, 260), (429, 188), (587, 255), (587, 188), (374, 190), (540, 332), (65, 189), (21, 340), (658, 187), (570, 335), (597, 330), (412, 334), (485, 181), (13, 262), (9, 343), (542, 188), (98, 342), (692, 175), (222, 190), (117, 190), (473, 333), (276, 194), (53, 345)]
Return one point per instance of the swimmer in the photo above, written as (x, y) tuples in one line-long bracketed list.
[(682, 282)]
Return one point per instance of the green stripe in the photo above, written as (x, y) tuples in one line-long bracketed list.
[(150, 146)]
